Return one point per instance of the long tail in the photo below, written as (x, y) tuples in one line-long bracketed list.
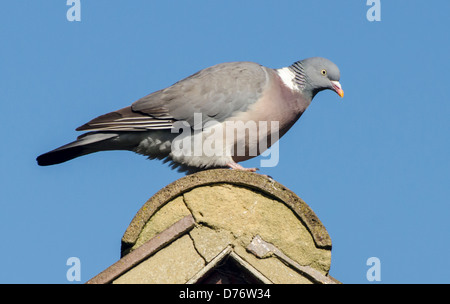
[(85, 144)]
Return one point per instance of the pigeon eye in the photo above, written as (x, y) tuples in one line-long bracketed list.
[(323, 72)]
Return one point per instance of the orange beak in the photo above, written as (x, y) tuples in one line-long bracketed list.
[(337, 88)]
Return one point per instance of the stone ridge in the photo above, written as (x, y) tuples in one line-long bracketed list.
[(177, 190)]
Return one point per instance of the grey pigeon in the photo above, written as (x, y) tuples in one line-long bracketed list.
[(228, 92)]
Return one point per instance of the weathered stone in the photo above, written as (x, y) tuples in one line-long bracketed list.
[(210, 242), (166, 216), (248, 180), (175, 264), (227, 208), (246, 213), (272, 268)]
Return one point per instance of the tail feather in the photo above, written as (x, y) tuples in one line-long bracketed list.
[(85, 144), (58, 156)]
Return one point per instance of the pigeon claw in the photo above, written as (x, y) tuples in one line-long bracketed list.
[(236, 166)]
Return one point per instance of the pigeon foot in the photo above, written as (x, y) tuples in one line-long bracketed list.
[(236, 166)]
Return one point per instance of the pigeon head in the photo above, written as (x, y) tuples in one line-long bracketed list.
[(316, 74)]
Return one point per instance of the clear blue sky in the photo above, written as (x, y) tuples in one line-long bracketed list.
[(374, 166)]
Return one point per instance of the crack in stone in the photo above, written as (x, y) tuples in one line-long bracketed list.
[(196, 249)]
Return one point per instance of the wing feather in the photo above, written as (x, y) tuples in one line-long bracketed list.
[(218, 92)]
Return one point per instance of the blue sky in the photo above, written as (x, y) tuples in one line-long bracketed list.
[(374, 166)]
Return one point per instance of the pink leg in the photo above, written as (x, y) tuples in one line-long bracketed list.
[(236, 166)]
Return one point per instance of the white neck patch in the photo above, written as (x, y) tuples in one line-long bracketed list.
[(288, 78)]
